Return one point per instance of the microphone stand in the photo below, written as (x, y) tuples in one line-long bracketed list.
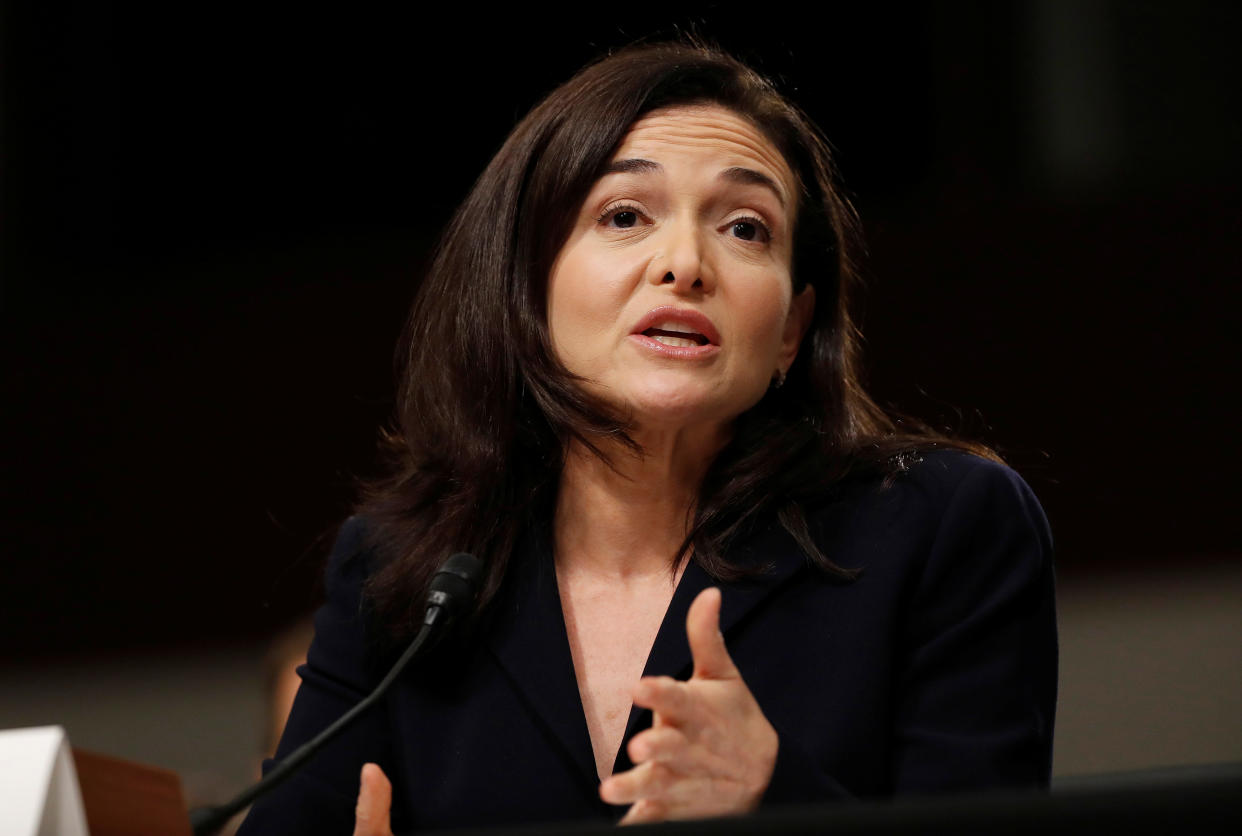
[(455, 577)]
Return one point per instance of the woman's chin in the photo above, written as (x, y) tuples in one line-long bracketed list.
[(681, 405)]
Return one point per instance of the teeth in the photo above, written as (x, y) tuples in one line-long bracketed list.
[(678, 341), (674, 326)]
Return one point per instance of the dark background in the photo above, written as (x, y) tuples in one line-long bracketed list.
[(214, 216)]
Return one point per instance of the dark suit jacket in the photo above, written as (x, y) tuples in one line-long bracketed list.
[(934, 671)]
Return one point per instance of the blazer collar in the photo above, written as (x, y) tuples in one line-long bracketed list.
[(529, 641)]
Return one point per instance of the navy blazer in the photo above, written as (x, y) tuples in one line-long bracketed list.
[(934, 671)]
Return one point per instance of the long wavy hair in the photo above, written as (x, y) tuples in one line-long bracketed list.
[(485, 411)]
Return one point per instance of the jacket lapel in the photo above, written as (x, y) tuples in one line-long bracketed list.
[(670, 653), (529, 641)]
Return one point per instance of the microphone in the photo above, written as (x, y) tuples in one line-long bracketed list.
[(451, 593)]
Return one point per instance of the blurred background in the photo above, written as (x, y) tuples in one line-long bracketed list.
[(215, 214)]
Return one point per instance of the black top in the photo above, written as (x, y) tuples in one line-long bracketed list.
[(934, 671)]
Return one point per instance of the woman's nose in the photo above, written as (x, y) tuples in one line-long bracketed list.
[(680, 261)]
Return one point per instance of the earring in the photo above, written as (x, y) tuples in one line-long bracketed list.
[(778, 379)]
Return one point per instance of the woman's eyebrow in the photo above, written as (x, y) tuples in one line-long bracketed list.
[(750, 177), (633, 166)]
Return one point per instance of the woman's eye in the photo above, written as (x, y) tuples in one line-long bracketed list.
[(749, 230), (620, 217)]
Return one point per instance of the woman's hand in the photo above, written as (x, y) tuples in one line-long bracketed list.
[(710, 751), (374, 802)]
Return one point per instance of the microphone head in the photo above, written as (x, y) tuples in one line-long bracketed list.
[(455, 583)]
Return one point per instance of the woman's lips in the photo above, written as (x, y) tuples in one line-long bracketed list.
[(681, 352), (681, 333)]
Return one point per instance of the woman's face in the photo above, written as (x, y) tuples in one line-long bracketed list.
[(672, 296)]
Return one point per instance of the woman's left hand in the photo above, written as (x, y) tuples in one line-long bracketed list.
[(710, 751)]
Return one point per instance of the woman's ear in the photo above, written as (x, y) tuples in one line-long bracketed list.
[(801, 311)]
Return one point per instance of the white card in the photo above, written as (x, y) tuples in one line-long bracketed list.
[(39, 794)]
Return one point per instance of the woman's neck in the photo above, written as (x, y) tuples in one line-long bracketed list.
[(627, 521)]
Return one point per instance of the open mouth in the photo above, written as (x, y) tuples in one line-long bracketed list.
[(677, 333), (668, 336)]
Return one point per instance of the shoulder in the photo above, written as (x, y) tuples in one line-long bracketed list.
[(932, 482), (980, 497), (977, 542), (951, 471), (349, 562), (940, 505), (943, 476), (344, 632)]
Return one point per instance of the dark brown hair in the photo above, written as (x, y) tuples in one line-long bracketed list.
[(485, 411)]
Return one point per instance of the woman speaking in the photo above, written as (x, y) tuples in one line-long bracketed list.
[(717, 576)]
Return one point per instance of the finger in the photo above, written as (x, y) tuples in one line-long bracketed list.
[(707, 645), (645, 811), (647, 780), (685, 757), (371, 816), (665, 696), (667, 745)]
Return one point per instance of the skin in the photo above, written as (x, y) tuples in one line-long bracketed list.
[(287, 684), (374, 802), (704, 221)]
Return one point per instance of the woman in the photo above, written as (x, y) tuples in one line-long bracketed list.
[(718, 576)]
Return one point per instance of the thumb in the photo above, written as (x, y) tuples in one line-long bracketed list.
[(374, 800), (711, 659)]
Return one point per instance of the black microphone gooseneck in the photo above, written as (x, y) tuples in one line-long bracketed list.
[(452, 592)]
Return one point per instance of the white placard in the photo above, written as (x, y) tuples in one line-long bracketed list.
[(39, 794)]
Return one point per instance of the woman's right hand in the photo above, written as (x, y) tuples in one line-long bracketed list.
[(374, 802)]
